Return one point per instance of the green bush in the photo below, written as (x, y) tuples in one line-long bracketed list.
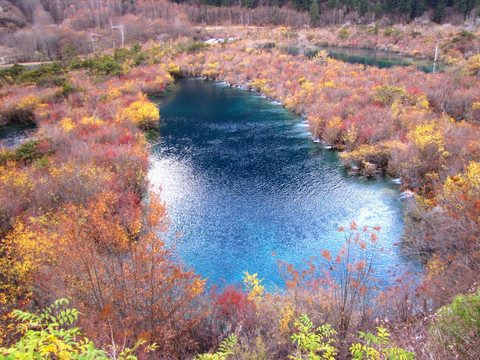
[(45, 75), (195, 47), (377, 347), (223, 351), (315, 345), (33, 149), (466, 35), (102, 65), (344, 33), (457, 326), (135, 53), (27, 151), (372, 30), (11, 74), (388, 31), (51, 335), (42, 74)]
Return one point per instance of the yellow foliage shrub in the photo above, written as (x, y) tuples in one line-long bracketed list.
[(253, 287), (142, 113), (67, 124), (333, 133), (466, 185), (28, 103)]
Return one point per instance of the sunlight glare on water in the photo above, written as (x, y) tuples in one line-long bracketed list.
[(242, 179)]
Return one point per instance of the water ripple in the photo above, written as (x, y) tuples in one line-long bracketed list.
[(243, 179)]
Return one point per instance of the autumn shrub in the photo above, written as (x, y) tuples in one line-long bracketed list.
[(130, 280), (388, 94), (446, 224), (342, 286), (232, 309), (474, 65), (142, 113), (420, 161), (71, 182), (367, 159), (6, 156), (20, 111), (150, 80), (16, 191)]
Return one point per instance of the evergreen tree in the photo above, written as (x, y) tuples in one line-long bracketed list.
[(363, 7), (405, 7), (418, 8), (248, 3), (378, 9), (389, 6), (465, 6), (333, 4), (439, 13), (314, 12), (301, 5)]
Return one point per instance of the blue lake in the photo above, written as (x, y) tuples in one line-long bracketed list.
[(242, 178)]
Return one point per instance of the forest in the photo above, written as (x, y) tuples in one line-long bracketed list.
[(85, 271), (38, 30)]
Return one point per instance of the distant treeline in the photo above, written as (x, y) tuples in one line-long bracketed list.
[(39, 30), (406, 9)]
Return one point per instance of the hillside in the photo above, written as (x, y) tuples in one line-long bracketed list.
[(38, 30)]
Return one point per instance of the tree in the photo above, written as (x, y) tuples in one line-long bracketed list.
[(363, 7), (301, 5), (378, 9), (333, 4), (117, 267), (439, 12), (250, 4), (418, 8), (314, 12)]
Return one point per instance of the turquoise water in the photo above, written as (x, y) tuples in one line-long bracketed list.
[(242, 179), (381, 59)]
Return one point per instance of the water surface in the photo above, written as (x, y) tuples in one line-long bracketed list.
[(13, 135), (381, 59), (242, 179), (368, 57)]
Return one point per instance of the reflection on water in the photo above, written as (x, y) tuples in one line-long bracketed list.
[(370, 57), (242, 179)]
